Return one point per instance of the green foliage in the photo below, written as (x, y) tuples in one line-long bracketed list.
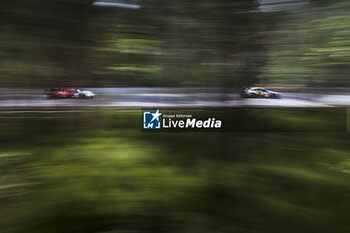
[(67, 43), (201, 43), (310, 46), (91, 171)]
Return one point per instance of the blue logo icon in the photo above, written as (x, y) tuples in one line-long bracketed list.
[(151, 120)]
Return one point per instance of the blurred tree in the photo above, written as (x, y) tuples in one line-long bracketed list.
[(173, 43), (198, 43), (310, 46), (44, 43), (165, 43)]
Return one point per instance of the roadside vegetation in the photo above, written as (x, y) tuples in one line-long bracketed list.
[(96, 171)]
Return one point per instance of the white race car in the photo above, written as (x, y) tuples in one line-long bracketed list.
[(259, 92)]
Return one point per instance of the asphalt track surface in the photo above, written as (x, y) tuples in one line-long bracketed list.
[(136, 98)]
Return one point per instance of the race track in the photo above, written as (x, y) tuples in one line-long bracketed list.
[(136, 98)]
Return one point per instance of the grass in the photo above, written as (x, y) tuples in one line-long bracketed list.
[(97, 171)]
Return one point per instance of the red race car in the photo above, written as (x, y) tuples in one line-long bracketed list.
[(73, 93)]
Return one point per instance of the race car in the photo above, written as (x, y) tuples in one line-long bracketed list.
[(73, 93), (259, 92)]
